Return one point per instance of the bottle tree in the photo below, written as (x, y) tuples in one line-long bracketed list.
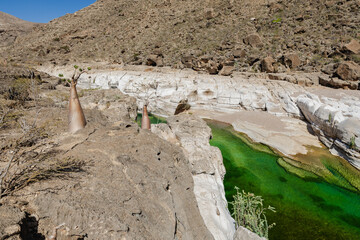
[(76, 119)]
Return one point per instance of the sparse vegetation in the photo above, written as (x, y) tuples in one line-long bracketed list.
[(352, 143), (19, 90), (249, 212), (277, 20)]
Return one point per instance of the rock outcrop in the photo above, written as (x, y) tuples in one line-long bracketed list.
[(207, 169), (334, 130), (136, 186), (221, 94), (353, 47), (127, 184), (348, 71), (341, 75)]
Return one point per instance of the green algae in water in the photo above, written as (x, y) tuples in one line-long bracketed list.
[(307, 206)]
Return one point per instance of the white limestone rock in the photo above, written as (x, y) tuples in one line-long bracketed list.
[(208, 171)]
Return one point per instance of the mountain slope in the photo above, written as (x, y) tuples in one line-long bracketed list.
[(187, 33), (11, 27)]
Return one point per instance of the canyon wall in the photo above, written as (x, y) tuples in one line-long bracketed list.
[(165, 88)]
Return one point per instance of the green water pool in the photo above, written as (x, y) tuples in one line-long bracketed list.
[(308, 206)]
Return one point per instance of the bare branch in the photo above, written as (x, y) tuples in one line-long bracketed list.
[(75, 77), (5, 112), (6, 170), (25, 127)]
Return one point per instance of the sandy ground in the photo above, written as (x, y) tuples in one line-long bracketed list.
[(288, 135)]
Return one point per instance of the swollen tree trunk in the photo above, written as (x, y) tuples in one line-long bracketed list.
[(77, 119), (145, 121)]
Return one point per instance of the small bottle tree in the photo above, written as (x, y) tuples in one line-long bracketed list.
[(76, 118), (145, 121)]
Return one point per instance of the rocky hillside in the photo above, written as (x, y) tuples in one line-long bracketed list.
[(12, 27), (203, 35)]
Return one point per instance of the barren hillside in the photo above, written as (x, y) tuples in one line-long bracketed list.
[(11, 27), (204, 35)]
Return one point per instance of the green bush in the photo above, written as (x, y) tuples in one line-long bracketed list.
[(352, 143), (249, 212)]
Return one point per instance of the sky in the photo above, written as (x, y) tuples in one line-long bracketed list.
[(42, 11)]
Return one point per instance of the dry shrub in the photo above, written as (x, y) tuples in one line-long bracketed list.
[(43, 170)]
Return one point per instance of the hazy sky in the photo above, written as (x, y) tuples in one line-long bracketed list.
[(42, 10)]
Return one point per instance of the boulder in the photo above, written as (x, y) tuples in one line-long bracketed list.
[(267, 65), (348, 71), (328, 81), (239, 53), (291, 60), (226, 70), (253, 40), (353, 47)]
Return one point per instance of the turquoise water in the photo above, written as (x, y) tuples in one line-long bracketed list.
[(308, 207)]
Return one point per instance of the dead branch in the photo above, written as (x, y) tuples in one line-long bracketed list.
[(25, 127), (6, 170), (4, 113)]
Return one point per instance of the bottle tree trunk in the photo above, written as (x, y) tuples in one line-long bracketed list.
[(145, 121), (77, 119)]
